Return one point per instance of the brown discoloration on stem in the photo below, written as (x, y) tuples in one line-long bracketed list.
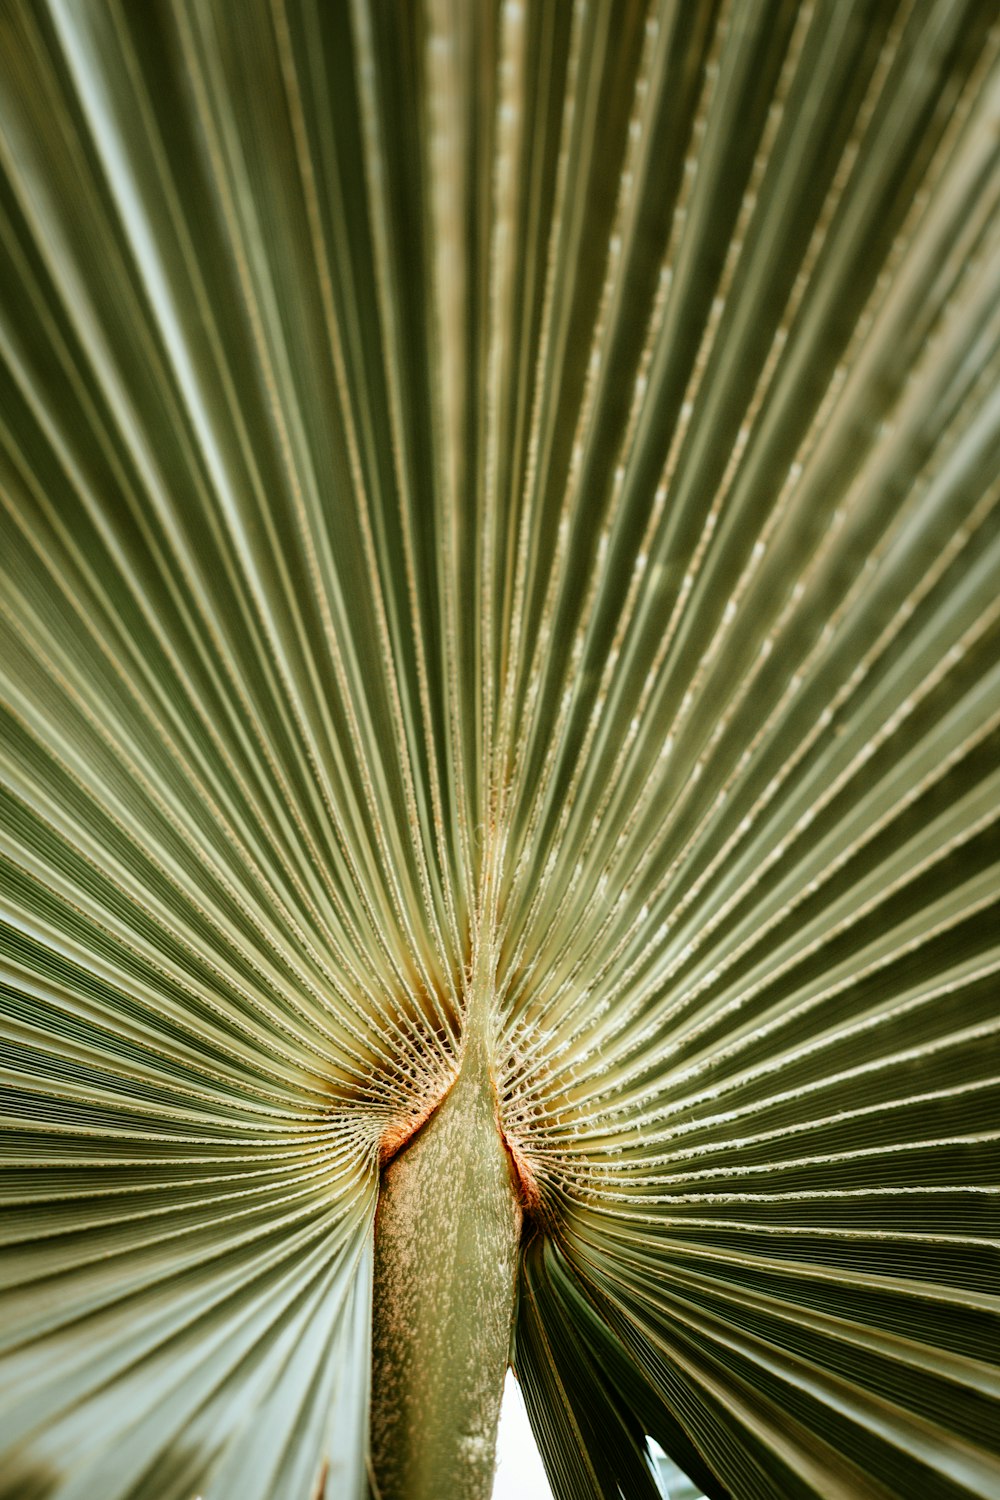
[(528, 1193), (399, 1134)]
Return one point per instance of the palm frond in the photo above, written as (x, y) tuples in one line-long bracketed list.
[(499, 509)]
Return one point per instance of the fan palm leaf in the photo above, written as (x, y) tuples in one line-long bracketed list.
[(499, 582)]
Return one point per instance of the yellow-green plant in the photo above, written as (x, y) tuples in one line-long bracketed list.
[(499, 605)]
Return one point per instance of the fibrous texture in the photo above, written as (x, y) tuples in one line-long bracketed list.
[(446, 1243), (499, 520)]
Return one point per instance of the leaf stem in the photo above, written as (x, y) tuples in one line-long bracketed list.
[(447, 1233)]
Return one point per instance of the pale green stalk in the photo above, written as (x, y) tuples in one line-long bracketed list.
[(446, 1238)]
